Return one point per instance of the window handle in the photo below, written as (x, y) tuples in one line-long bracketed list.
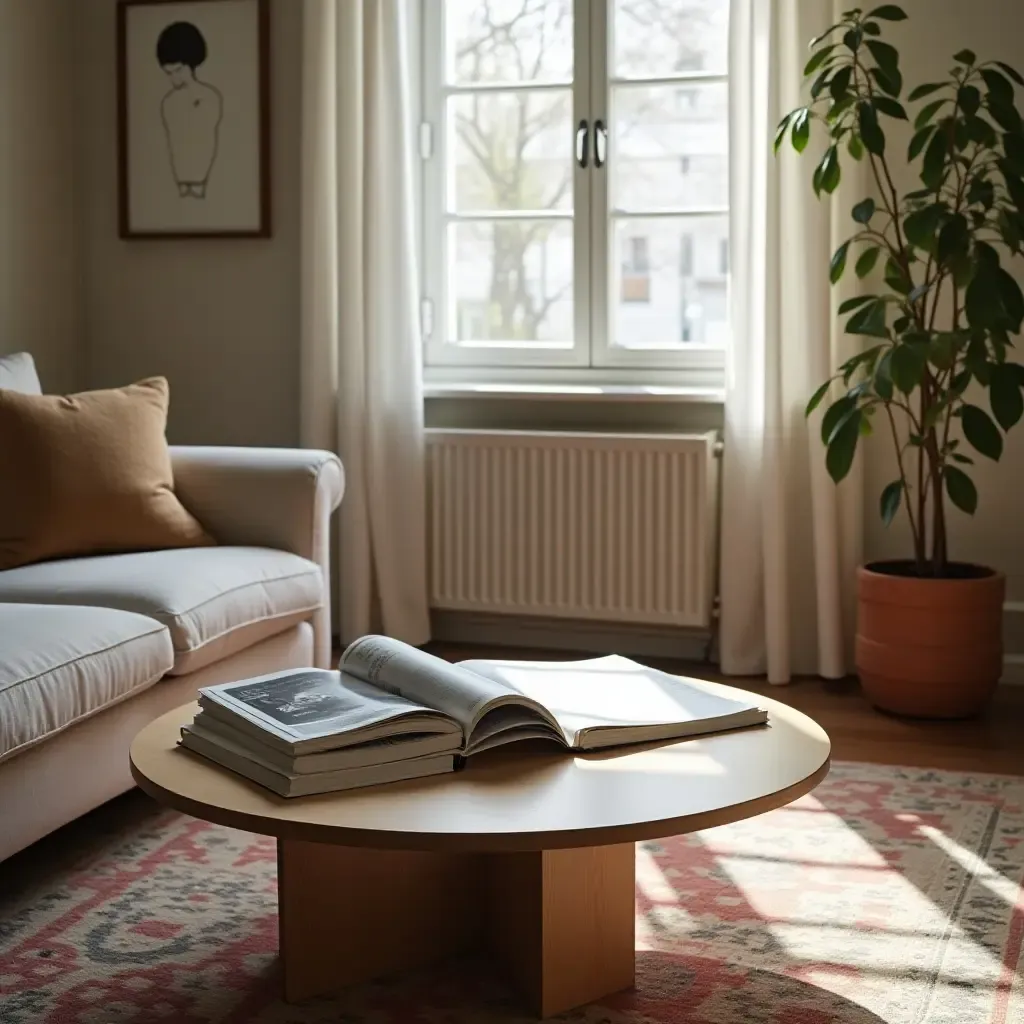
[(583, 144), (600, 143)]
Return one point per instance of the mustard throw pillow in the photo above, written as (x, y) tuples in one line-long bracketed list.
[(88, 474)]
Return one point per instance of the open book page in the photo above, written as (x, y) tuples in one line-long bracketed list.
[(485, 706), (307, 708), (609, 701)]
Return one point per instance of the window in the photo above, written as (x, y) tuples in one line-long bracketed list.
[(636, 271), (558, 232), (686, 256)]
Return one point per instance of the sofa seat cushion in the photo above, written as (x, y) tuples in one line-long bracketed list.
[(215, 601), (60, 664)]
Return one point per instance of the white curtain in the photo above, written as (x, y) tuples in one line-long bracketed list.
[(791, 540), (361, 359)]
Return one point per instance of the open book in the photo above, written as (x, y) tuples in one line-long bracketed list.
[(391, 702)]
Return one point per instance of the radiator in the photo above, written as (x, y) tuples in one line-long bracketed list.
[(617, 528)]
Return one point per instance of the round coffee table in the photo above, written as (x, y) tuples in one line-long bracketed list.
[(527, 853)]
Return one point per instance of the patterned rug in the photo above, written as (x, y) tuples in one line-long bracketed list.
[(889, 894)]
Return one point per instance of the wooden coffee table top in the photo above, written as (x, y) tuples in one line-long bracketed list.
[(530, 798)]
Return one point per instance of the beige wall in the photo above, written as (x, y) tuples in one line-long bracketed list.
[(38, 281), (995, 535), (220, 318)]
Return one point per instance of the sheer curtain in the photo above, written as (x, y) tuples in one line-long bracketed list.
[(791, 540), (361, 358)]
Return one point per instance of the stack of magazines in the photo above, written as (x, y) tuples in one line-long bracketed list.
[(393, 712)]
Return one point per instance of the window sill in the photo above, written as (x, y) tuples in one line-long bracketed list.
[(635, 393)]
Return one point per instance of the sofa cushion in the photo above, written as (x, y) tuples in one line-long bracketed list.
[(18, 373), (89, 473), (59, 665), (215, 601)]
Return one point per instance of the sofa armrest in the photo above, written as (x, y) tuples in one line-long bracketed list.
[(267, 497)]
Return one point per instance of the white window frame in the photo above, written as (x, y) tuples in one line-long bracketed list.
[(592, 358)]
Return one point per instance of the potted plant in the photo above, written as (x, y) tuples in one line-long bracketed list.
[(938, 329)]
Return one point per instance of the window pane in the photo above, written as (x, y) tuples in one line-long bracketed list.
[(508, 40), (677, 293), (665, 37), (511, 281), (669, 146), (510, 151)]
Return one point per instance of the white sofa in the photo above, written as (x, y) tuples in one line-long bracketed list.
[(91, 649)]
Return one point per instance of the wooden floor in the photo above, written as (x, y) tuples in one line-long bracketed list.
[(993, 743)]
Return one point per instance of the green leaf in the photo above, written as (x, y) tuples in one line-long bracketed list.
[(941, 352), (870, 133), (817, 397), (981, 433), (839, 107), (801, 129), (853, 39), (820, 82), (954, 239), (780, 132), (1010, 229), (890, 502), (869, 28), (933, 170), (1004, 114), (926, 90), (824, 35), (981, 191), (888, 12), (818, 59), (927, 112), (917, 143), (965, 57), (843, 447), (961, 489), (999, 88), (883, 377), (1013, 147), (890, 82), (855, 147), (907, 367), (980, 131), (964, 460), (835, 416), (1005, 395), (890, 107), (864, 210), (840, 82), (896, 278), (969, 99), (1011, 299), (869, 320), (854, 303), (866, 261), (886, 56), (1015, 75), (838, 264), (921, 225), (830, 172)]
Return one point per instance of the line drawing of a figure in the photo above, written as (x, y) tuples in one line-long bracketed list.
[(191, 111)]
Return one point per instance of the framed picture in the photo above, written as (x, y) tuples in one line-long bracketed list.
[(193, 118)]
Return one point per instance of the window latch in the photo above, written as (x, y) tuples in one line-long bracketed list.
[(583, 144), (600, 143)]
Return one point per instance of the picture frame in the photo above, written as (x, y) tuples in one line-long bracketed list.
[(193, 96)]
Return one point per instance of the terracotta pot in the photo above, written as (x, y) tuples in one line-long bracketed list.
[(932, 648)]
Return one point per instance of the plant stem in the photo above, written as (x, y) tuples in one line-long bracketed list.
[(916, 532)]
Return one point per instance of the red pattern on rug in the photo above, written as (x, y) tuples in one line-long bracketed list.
[(889, 894)]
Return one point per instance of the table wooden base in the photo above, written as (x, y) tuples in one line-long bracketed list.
[(558, 923)]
